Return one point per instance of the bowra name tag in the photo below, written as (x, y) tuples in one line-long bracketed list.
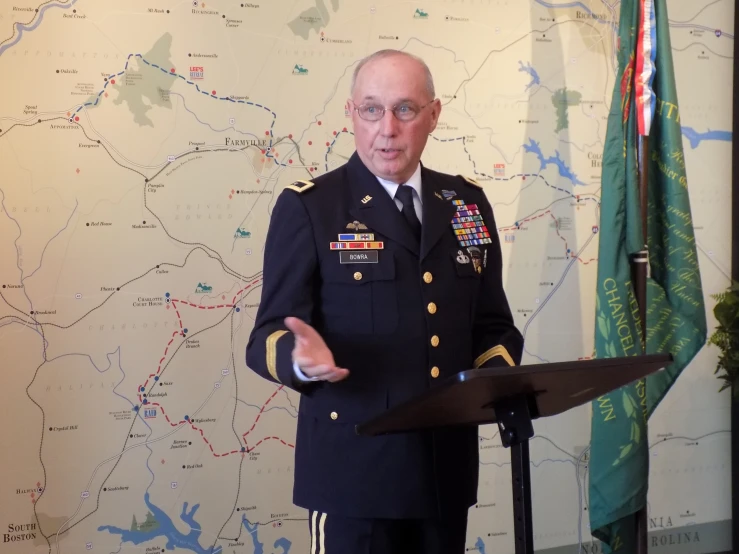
[(358, 257)]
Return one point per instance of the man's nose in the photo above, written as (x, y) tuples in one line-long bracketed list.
[(389, 124)]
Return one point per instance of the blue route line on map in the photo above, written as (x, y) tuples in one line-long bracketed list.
[(474, 164), (197, 87), (517, 175), (41, 260), (184, 103), (24, 28), (331, 145)]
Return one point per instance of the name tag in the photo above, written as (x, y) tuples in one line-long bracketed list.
[(363, 257)]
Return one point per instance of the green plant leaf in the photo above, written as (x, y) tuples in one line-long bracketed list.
[(612, 350), (625, 450), (726, 337), (635, 432), (629, 404), (602, 325), (727, 312)]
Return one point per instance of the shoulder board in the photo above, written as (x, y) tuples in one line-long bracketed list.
[(471, 181), (300, 186)]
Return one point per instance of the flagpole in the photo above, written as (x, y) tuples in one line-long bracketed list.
[(639, 267), (735, 276)]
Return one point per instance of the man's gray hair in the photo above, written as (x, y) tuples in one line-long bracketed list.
[(380, 54)]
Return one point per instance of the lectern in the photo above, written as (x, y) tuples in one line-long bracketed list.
[(512, 397)]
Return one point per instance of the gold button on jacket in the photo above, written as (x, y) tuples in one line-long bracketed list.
[(334, 415), (432, 308), (434, 372), (435, 341), (427, 277)]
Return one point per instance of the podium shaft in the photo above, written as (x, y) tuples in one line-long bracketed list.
[(522, 516)]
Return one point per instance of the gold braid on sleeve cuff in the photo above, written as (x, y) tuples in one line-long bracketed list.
[(272, 353), (495, 351)]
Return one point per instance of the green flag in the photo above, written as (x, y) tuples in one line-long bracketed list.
[(676, 320)]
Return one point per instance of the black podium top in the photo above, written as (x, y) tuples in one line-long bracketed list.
[(467, 398)]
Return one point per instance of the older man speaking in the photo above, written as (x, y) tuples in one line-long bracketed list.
[(381, 278)]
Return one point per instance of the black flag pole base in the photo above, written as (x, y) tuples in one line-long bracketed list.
[(516, 428)]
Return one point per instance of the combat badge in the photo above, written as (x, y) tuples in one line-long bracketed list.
[(356, 226)]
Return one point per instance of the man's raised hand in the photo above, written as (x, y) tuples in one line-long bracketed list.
[(312, 355)]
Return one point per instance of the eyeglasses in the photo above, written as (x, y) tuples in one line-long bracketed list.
[(407, 111)]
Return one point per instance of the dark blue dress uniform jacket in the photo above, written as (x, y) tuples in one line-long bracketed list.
[(401, 325)]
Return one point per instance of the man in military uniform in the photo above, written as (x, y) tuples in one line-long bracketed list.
[(381, 278)]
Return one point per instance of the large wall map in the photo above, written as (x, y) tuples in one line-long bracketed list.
[(142, 147)]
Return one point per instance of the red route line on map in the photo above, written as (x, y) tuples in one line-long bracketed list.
[(522, 221), (179, 318), (556, 227), (247, 449)]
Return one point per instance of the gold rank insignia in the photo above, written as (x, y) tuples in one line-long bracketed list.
[(471, 181), (366, 199), (300, 186)]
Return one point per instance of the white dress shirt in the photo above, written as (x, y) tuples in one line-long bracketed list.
[(415, 183), (391, 188)]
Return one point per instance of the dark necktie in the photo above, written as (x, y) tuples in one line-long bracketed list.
[(405, 195)]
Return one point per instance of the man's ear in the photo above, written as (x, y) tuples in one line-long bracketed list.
[(435, 112)]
